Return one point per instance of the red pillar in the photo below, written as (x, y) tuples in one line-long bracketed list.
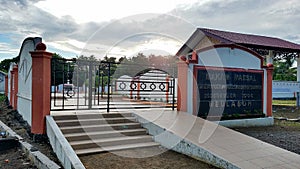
[(138, 89), (6, 85), (270, 69), (41, 83), (167, 88), (182, 86), (15, 87), (12, 90)]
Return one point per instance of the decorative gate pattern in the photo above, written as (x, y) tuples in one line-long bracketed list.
[(84, 84)]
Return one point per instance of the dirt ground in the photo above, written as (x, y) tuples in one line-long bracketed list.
[(164, 160), (283, 134), (15, 157)]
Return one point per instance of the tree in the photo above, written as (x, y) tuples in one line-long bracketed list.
[(283, 71), (61, 70), (4, 65)]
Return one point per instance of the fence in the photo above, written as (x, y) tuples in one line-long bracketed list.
[(84, 84)]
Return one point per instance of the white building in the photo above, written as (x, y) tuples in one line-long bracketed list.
[(2, 81)]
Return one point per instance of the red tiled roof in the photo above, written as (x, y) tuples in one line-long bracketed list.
[(249, 40)]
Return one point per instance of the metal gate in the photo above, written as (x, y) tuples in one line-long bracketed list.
[(84, 84)]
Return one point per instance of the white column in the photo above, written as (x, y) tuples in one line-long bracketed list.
[(190, 88), (270, 57), (298, 68)]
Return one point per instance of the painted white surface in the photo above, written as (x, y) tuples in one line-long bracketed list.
[(25, 81), (190, 78), (257, 122), (265, 93), (285, 89), (61, 146), (2, 82), (230, 58)]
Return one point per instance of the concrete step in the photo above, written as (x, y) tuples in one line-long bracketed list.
[(91, 116), (104, 134), (95, 143), (103, 127), (86, 122), (115, 148)]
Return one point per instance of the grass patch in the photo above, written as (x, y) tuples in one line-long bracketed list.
[(283, 123), (2, 97), (284, 102)]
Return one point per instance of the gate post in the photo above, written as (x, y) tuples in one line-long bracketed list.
[(41, 83), (270, 69), (6, 85), (15, 88), (182, 86)]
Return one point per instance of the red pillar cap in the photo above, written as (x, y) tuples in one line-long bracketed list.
[(41, 46)]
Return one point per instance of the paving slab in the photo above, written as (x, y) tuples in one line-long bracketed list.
[(237, 149)]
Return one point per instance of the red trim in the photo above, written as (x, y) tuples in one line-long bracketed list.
[(228, 69), (232, 46), (41, 83), (194, 58), (182, 86), (269, 91), (196, 93), (11, 92), (16, 88), (6, 85), (138, 89)]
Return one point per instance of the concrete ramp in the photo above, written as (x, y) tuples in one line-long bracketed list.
[(213, 143)]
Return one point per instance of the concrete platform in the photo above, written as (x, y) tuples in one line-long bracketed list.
[(213, 143)]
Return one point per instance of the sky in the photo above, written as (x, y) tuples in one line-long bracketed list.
[(124, 28)]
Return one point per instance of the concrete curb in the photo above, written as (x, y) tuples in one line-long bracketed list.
[(39, 159), (255, 122), (61, 146)]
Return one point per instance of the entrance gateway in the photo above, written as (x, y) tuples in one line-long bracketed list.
[(84, 85), (225, 82)]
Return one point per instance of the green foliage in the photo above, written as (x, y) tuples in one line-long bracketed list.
[(283, 70), (2, 98), (61, 70), (139, 63), (4, 64)]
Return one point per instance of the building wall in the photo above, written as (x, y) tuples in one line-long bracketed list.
[(2, 82), (222, 57)]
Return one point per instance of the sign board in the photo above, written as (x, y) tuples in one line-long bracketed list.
[(238, 91)]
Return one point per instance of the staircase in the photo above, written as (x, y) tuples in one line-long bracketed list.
[(96, 133)]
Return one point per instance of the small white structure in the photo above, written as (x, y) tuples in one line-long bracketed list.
[(151, 85), (285, 89), (2, 82)]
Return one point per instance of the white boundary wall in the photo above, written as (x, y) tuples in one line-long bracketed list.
[(285, 89), (25, 78)]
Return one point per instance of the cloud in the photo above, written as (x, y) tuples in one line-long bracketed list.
[(21, 18), (272, 18)]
